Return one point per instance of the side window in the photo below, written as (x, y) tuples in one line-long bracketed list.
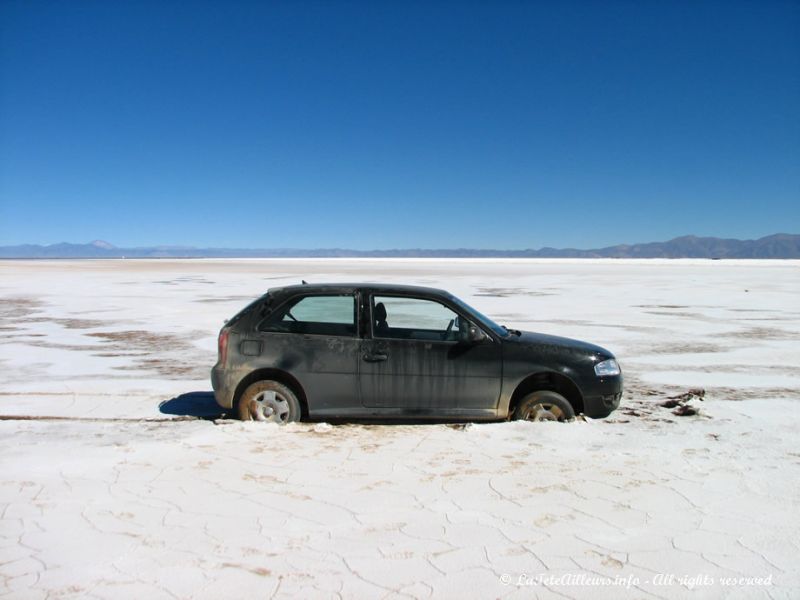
[(314, 315), (413, 319)]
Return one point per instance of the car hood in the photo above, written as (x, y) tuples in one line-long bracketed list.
[(538, 340)]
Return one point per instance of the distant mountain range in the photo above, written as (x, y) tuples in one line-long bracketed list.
[(781, 245)]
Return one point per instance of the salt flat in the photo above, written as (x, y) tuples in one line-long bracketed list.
[(111, 493)]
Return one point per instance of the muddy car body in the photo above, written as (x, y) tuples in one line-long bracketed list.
[(338, 351)]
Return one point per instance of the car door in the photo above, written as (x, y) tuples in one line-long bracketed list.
[(412, 359), (315, 339)]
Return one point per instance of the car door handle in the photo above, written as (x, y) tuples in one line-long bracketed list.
[(376, 357)]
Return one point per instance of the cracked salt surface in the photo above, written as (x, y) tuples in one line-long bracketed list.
[(106, 497), (193, 509)]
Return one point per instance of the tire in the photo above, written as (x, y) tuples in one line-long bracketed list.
[(270, 401), (544, 405)]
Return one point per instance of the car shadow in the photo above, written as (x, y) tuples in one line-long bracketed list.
[(202, 405), (193, 404)]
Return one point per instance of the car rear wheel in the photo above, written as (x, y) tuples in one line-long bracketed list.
[(544, 405), (269, 401)]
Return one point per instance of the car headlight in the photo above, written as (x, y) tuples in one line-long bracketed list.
[(607, 368)]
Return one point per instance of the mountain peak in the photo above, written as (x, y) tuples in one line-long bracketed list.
[(102, 244)]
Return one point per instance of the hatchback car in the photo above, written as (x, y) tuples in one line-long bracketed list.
[(337, 351)]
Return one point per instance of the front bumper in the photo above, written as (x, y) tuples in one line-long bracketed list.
[(603, 397)]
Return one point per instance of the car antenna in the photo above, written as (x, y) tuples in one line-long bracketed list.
[(304, 282)]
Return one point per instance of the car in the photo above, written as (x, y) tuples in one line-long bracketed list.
[(379, 351)]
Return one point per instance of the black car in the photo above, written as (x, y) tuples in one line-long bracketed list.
[(337, 351)]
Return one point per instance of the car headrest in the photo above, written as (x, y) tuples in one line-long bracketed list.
[(380, 312)]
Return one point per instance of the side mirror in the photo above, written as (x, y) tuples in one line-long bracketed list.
[(470, 333)]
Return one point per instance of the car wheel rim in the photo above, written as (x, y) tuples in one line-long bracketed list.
[(269, 406), (545, 412)]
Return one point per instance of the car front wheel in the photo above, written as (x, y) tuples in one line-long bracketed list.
[(269, 401), (544, 405)]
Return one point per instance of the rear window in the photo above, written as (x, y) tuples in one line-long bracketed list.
[(314, 315)]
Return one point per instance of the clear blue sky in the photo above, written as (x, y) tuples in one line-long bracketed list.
[(397, 124)]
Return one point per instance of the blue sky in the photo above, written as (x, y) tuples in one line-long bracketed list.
[(397, 124)]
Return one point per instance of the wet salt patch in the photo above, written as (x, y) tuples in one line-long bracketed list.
[(775, 353), (722, 379)]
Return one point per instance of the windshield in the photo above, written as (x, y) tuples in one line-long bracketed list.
[(498, 329)]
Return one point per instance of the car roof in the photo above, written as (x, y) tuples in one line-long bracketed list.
[(347, 287)]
